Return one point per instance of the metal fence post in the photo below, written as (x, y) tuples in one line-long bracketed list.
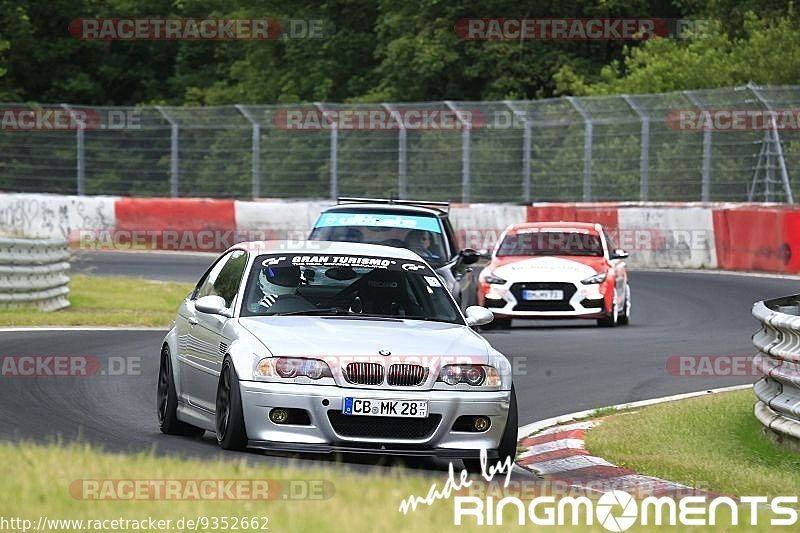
[(80, 152), (402, 156), (526, 149), (256, 148), (334, 154), (587, 147), (777, 139), (705, 188), (644, 148), (173, 150), (466, 178)]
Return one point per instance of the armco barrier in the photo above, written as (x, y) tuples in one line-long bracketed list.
[(778, 392), (33, 272)]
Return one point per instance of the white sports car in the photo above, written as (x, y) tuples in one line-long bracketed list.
[(323, 347)]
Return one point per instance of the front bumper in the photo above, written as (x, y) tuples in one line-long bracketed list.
[(580, 301), (322, 435)]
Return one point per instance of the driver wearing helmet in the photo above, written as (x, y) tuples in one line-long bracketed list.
[(275, 281)]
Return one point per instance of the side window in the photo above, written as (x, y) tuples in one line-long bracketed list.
[(610, 243), (206, 285), (230, 277)]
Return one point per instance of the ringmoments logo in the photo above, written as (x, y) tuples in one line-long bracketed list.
[(619, 511)]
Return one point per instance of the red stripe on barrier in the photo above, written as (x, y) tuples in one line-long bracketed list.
[(605, 214), (193, 223), (754, 238)]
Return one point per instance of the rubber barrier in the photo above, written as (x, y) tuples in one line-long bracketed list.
[(753, 238), (173, 224), (605, 214)]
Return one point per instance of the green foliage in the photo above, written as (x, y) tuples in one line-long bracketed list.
[(766, 51)]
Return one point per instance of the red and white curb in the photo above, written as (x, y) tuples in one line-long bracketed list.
[(560, 457), (558, 454)]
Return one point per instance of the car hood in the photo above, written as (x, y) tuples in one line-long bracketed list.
[(548, 268), (310, 336)]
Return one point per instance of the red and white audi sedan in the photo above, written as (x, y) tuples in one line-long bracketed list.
[(556, 270)]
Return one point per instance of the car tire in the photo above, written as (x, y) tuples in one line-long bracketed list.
[(231, 432), (612, 319), (625, 317), (508, 442), (167, 401)]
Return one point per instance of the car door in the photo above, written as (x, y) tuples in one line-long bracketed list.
[(211, 340), (193, 373)]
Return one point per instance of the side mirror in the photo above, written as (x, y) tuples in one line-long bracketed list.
[(619, 253), (478, 316), (213, 305), (485, 254), (469, 256)]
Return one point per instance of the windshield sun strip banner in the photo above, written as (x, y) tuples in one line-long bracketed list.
[(379, 220), (343, 260)]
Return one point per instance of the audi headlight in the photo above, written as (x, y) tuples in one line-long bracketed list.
[(474, 375), (494, 280), (292, 367), (600, 277)]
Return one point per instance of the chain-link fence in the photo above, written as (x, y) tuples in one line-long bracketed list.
[(713, 145)]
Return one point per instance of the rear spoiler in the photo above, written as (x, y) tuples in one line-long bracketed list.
[(440, 206)]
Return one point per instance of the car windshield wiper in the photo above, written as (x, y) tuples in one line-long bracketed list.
[(327, 311)]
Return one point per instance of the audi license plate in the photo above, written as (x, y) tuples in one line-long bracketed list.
[(374, 407), (542, 295)]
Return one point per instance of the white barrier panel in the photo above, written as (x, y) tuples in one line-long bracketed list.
[(279, 219), (668, 237), (53, 216), (479, 225)]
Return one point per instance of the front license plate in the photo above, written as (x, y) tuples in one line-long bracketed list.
[(542, 295), (373, 407)]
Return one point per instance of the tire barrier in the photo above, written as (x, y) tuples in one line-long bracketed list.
[(34, 273), (778, 343)]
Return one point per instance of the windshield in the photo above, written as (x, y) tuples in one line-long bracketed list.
[(355, 285), (551, 243), (420, 234)]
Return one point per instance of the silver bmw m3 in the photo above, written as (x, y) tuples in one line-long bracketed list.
[(334, 347)]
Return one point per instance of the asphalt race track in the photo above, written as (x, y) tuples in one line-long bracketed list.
[(561, 366)]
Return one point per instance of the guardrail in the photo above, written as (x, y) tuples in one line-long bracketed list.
[(778, 392), (33, 273)]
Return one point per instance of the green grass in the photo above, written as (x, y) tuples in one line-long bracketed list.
[(38, 480), (712, 442), (108, 301)]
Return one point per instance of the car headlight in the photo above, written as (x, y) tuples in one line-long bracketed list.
[(600, 277), (474, 375), (494, 280), (292, 367)]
